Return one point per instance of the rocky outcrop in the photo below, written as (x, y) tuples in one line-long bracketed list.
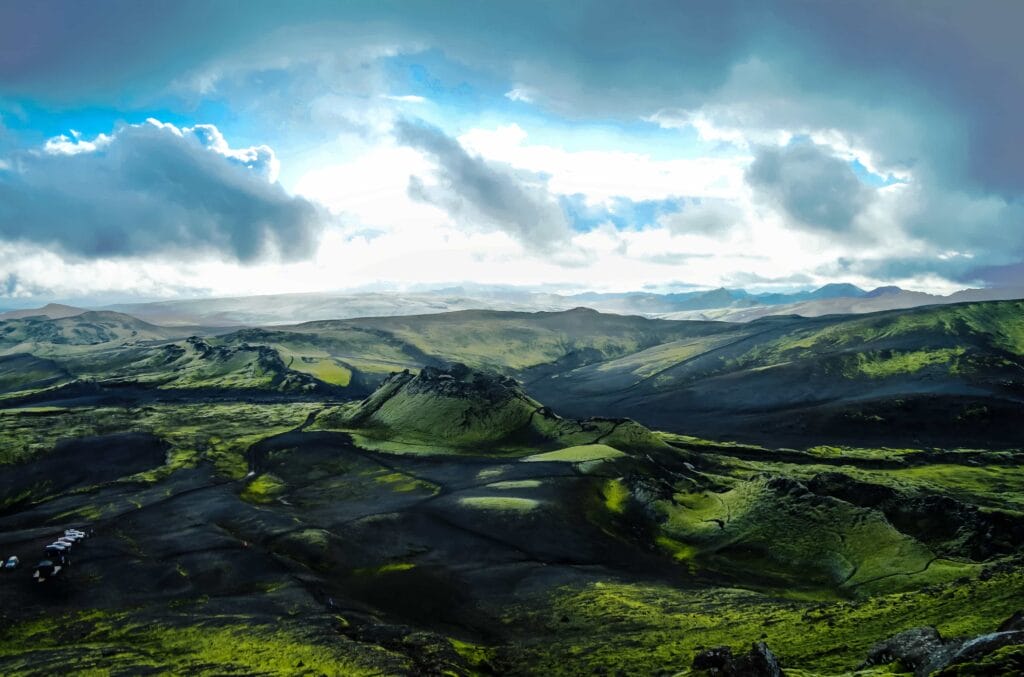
[(458, 380), (720, 662), (924, 651), (948, 526), (920, 650)]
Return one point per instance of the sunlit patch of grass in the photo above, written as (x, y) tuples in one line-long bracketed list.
[(390, 568), (104, 642), (515, 484), (616, 496), (263, 489), (397, 481), (790, 536), (500, 503), (644, 628), (577, 454), (320, 366), (892, 363)]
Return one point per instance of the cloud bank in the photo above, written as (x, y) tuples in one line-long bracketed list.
[(152, 189), (484, 194)]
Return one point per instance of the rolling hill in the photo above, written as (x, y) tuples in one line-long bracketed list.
[(942, 375), (348, 496), (52, 311), (945, 375)]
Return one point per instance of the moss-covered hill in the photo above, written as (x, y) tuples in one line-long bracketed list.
[(944, 375), (469, 410), (240, 538), (512, 341), (94, 329)]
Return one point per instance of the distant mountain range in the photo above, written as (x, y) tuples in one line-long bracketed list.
[(731, 305)]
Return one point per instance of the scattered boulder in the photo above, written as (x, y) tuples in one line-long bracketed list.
[(720, 662), (925, 652), (985, 644), (921, 650), (1014, 622)]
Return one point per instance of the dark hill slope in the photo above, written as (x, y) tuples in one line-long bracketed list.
[(942, 375), (512, 341)]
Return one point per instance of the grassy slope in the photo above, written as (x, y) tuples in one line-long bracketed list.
[(751, 556), (44, 336), (512, 341), (967, 359), (644, 628), (470, 411)]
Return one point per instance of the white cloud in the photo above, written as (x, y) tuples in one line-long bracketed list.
[(406, 98), (75, 144), (604, 175), (260, 158), (520, 93), (371, 189), (153, 189)]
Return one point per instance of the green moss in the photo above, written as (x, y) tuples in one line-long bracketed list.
[(477, 656), (401, 482), (882, 365), (993, 486), (616, 496), (578, 454), (491, 473), (500, 503), (390, 568), (761, 530), (90, 512), (680, 552), (515, 484), (320, 366), (829, 451), (316, 537), (651, 628), (114, 643), (263, 488), (1005, 662)]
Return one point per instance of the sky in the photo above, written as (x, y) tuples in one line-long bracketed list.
[(185, 149)]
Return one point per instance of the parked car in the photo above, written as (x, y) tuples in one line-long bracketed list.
[(57, 553), (12, 562), (46, 570)]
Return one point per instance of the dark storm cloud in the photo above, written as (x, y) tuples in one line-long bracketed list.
[(931, 82), (811, 185), (897, 267), (931, 89), (965, 55), (1009, 275), (482, 193), (152, 190)]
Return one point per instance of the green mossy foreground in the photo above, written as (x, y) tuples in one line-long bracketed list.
[(100, 642), (451, 525)]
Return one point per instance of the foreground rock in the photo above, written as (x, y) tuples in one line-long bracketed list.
[(925, 652), (720, 662)]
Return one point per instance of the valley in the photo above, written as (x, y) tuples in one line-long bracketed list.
[(499, 492)]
